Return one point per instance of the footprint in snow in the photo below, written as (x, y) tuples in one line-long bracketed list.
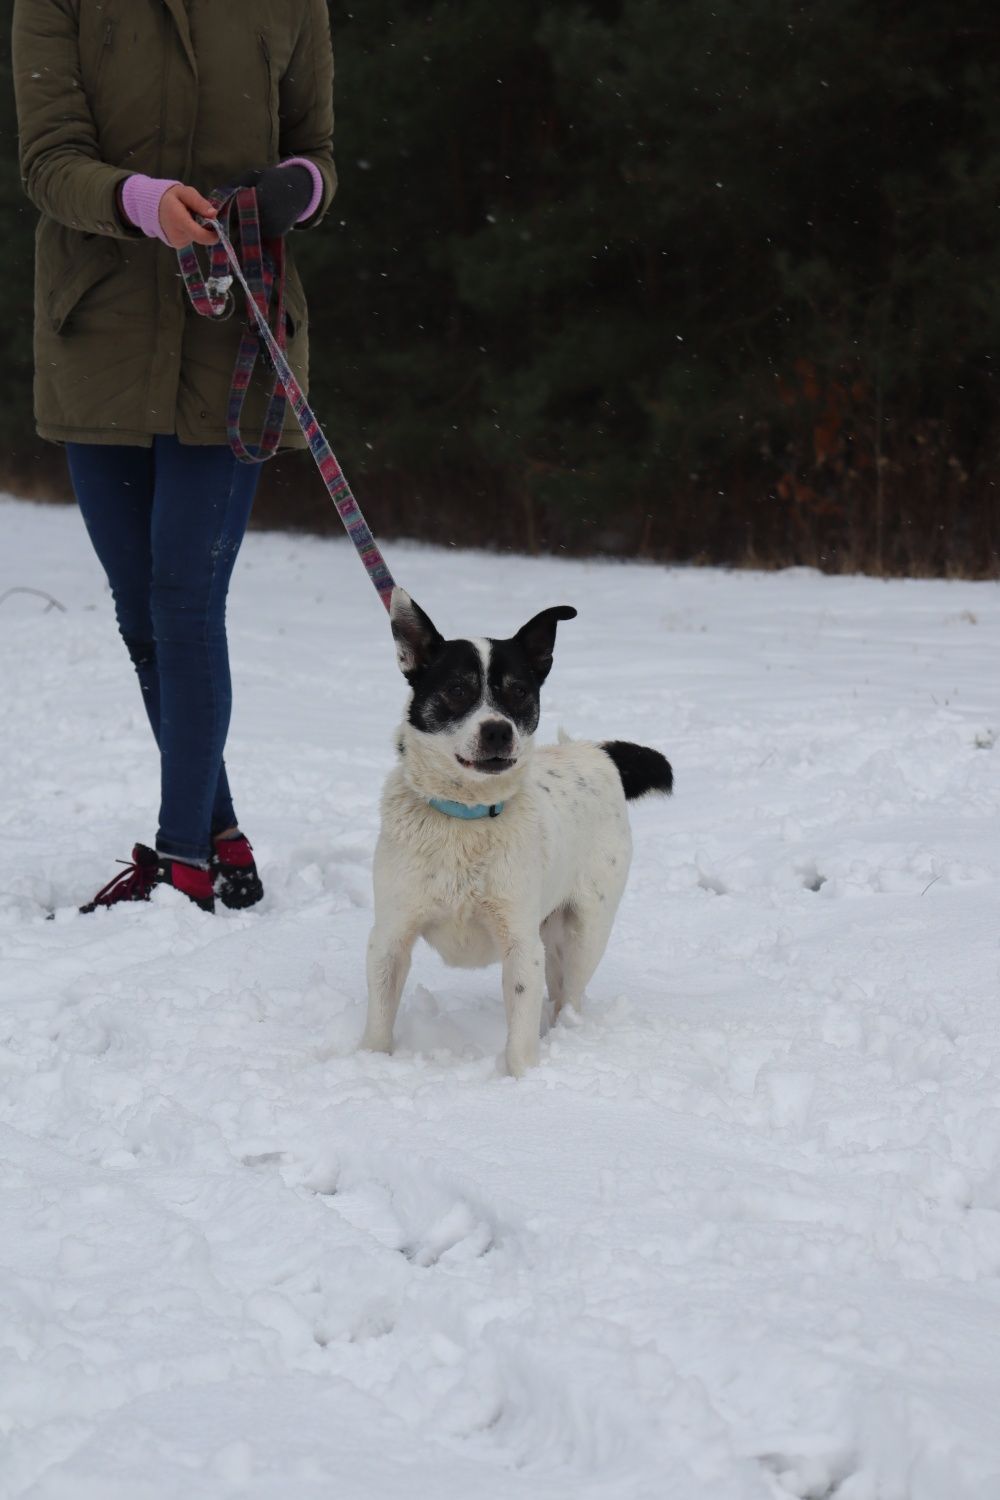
[(422, 1216), (811, 878), (815, 1476)]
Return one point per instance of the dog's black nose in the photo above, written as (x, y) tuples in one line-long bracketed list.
[(496, 736)]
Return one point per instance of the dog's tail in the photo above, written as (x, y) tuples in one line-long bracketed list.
[(642, 770)]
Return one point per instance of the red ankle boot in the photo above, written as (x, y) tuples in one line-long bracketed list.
[(234, 873), (149, 869)]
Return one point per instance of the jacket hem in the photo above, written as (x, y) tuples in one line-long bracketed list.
[(121, 437)]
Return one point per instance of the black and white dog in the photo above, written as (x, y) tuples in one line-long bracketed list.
[(490, 849)]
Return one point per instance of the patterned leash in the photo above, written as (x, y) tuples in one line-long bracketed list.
[(262, 277)]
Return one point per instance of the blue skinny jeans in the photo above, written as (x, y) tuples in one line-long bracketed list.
[(167, 523)]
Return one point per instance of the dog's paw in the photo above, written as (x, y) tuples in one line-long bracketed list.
[(374, 1041), (519, 1061)]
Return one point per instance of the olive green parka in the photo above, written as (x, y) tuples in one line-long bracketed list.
[(197, 90)]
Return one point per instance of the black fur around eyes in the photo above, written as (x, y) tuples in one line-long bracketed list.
[(511, 669), (433, 708), (511, 687)]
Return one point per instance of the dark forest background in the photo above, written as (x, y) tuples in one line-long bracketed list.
[(708, 280)]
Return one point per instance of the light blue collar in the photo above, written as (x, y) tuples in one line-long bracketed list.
[(463, 810)]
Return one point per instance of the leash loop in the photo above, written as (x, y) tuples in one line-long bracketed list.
[(261, 275)]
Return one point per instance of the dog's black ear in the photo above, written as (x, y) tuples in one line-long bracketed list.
[(416, 638), (538, 638)]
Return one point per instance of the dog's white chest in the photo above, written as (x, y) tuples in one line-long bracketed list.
[(462, 938)]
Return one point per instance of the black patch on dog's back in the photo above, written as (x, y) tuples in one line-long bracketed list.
[(641, 769)]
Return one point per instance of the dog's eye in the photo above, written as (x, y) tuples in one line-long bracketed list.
[(516, 692), (457, 694)]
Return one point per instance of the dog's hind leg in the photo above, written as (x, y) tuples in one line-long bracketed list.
[(389, 953), (586, 928), (554, 938)]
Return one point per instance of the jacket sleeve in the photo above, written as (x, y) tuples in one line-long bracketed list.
[(306, 102), (61, 167)]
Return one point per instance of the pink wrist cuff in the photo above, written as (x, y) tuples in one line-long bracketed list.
[(141, 201), (141, 197), (317, 177)]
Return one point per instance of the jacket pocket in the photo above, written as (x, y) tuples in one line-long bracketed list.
[(295, 304), (96, 259)]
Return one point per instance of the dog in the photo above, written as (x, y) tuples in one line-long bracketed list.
[(490, 849)]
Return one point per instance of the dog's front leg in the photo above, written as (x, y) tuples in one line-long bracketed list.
[(523, 989), (389, 950)]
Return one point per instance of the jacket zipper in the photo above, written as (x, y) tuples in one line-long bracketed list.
[(106, 48), (269, 80)]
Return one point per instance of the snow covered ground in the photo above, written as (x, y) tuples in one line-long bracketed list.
[(738, 1238)]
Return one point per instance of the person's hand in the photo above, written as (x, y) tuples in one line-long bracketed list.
[(283, 195), (180, 228)]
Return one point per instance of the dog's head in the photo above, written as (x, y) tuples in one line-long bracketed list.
[(475, 704)]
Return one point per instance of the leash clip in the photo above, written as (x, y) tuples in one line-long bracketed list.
[(221, 287)]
